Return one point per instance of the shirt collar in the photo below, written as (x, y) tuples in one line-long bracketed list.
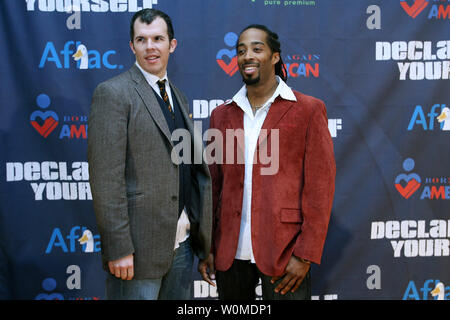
[(151, 78), (282, 90)]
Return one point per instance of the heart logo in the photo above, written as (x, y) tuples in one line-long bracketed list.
[(414, 10), (409, 189), (49, 124), (230, 68)]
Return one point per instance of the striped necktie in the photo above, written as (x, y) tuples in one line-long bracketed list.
[(162, 90)]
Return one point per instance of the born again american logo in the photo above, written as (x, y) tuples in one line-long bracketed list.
[(409, 183), (45, 121), (434, 9)]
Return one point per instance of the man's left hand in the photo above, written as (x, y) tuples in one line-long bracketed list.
[(293, 275)]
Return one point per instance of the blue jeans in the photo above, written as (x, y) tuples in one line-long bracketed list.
[(174, 285)]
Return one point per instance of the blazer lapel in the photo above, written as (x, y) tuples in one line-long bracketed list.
[(195, 132), (276, 112), (183, 107), (148, 97), (236, 121)]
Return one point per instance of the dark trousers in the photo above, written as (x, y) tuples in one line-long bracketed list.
[(239, 283)]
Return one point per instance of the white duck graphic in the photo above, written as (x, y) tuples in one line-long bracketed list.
[(445, 117), (82, 54), (439, 291), (88, 239)]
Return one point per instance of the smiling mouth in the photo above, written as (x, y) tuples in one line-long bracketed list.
[(249, 69), (152, 58)]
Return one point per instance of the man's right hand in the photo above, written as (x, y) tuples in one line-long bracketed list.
[(206, 269), (122, 268)]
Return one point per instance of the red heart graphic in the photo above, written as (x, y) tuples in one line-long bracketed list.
[(409, 189), (49, 125), (230, 68), (416, 8)]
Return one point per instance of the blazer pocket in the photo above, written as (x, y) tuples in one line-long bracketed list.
[(134, 195), (135, 200), (291, 215)]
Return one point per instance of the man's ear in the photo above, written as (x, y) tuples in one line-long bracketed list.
[(132, 47), (172, 45), (275, 58)]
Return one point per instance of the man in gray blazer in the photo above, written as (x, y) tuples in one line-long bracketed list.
[(152, 214)]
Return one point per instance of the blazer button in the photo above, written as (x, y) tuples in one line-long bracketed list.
[(174, 198), (238, 213)]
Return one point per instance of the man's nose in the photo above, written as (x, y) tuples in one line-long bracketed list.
[(248, 55), (150, 44)]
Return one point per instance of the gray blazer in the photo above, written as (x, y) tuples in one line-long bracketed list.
[(134, 182)]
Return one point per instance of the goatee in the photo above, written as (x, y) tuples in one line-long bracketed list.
[(250, 81)]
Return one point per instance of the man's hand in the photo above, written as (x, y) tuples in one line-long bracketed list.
[(207, 265), (293, 275), (122, 268)]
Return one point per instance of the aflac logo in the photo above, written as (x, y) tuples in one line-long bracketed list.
[(412, 180), (229, 64), (438, 293), (85, 238), (44, 122), (419, 119), (84, 58), (437, 11)]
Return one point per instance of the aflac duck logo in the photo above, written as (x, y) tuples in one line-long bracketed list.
[(438, 112), (445, 118), (439, 291), (67, 243), (82, 56), (84, 59), (412, 180), (87, 241), (44, 122), (229, 65)]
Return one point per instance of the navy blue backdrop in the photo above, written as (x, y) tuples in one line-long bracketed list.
[(382, 68)]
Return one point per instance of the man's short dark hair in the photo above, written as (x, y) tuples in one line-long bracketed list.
[(274, 45), (147, 16)]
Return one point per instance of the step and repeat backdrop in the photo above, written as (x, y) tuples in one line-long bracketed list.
[(382, 68)]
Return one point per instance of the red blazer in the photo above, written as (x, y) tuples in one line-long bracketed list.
[(290, 209)]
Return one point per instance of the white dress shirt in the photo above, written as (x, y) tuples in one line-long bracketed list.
[(252, 128), (153, 82), (183, 225)]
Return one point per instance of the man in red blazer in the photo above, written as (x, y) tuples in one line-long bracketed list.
[(272, 199)]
